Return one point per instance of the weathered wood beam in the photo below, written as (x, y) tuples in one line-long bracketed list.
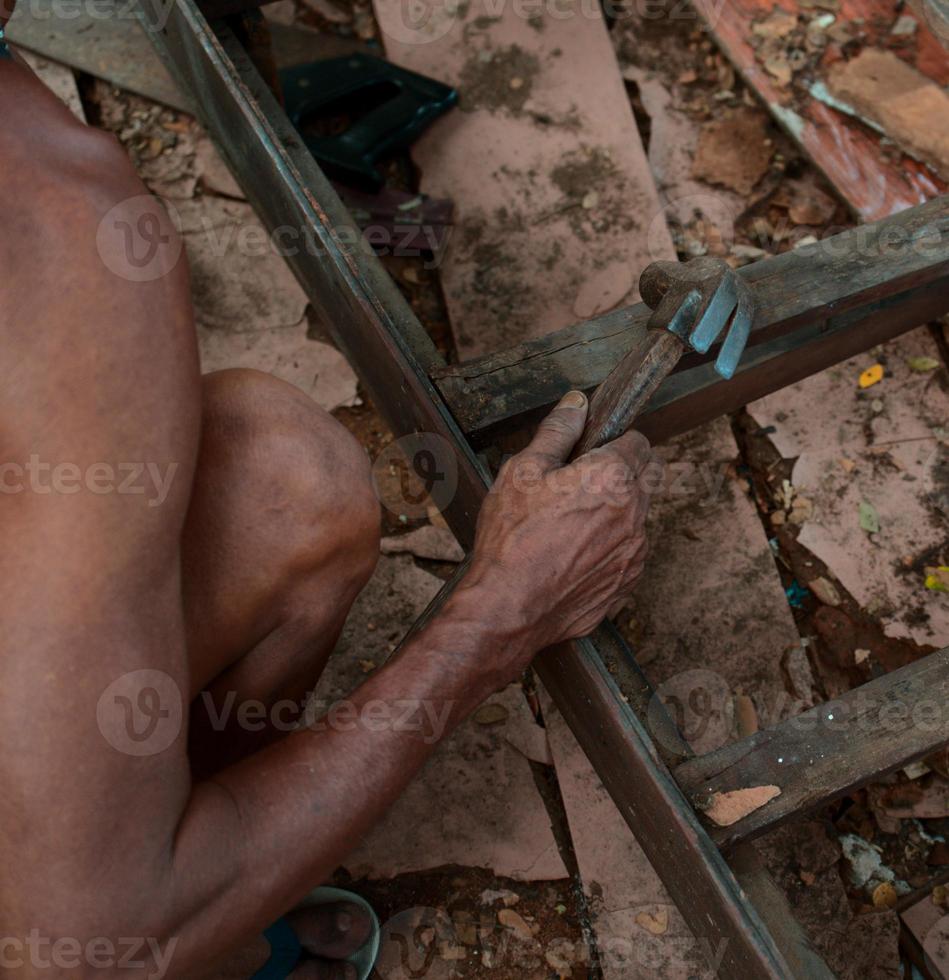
[(827, 751), (830, 288)]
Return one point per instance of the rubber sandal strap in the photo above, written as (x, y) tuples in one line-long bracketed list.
[(285, 952)]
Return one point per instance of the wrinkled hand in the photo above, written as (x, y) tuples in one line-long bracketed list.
[(561, 546)]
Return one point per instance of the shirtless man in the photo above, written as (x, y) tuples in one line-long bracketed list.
[(236, 583)]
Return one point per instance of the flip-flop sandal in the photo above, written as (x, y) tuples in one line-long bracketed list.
[(286, 950)]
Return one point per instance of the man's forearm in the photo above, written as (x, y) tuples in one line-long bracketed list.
[(265, 831)]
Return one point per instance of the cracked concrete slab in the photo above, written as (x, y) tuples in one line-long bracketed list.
[(884, 446), (476, 803)]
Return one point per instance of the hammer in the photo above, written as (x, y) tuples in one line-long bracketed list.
[(693, 303)]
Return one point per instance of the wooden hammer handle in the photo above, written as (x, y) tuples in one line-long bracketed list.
[(623, 395)]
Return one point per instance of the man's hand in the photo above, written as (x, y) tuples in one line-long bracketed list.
[(560, 546)]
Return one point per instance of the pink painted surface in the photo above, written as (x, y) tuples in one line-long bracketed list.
[(895, 434), (556, 211)]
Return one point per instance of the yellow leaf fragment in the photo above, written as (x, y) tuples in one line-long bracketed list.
[(937, 579), (885, 896), (657, 924), (871, 376)]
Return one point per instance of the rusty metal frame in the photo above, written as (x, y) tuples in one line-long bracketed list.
[(731, 904)]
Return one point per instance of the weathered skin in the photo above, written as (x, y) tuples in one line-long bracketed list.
[(238, 581)]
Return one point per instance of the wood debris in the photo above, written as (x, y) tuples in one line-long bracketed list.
[(725, 809), (910, 108), (734, 151)]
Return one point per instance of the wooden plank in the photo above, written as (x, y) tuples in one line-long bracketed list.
[(814, 286), (824, 753), (875, 181), (775, 911)]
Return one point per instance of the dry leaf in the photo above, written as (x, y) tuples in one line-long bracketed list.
[(922, 364), (868, 517), (491, 714), (871, 376), (825, 590), (884, 896), (515, 922), (656, 925), (937, 579)]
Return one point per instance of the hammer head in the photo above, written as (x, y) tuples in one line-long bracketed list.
[(697, 301)]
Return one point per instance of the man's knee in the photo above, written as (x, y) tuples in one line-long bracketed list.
[(306, 469)]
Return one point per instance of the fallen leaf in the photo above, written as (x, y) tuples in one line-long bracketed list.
[(778, 23), (491, 714), (725, 809), (869, 519), (561, 964), (871, 376), (779, 68), (937, 579), (885, 896), (922, 364), (515, 922), (801, 510), (590, 200), (861, 656), (656, 925), (746, 716), (825, 590), (847, 464)]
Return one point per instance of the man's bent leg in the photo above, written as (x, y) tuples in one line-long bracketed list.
[(281, 536)]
